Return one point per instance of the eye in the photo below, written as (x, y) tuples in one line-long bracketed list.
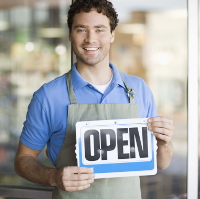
[(81, 30), (100, 30)]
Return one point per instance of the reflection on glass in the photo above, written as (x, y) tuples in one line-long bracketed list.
[(151, 42), (34, 49), (199, 114)]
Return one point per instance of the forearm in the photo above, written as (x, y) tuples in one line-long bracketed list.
[(30, 169), (164, 155)]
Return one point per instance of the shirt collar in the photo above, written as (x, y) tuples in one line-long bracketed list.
[(78, 82), (116, 76)]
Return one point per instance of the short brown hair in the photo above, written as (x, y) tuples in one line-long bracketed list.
[(101, 6)]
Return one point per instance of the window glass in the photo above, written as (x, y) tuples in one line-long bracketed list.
[(34, 49), (151, 42), (199, 115)]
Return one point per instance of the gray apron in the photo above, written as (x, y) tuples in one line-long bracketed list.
[(116, 188)]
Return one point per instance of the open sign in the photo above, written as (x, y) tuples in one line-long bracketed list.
[(116, 148)]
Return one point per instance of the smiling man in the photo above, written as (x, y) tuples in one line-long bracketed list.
[(90, 40), (91, 37), (92, 90)]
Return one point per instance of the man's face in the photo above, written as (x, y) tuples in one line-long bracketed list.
[(91, 37)]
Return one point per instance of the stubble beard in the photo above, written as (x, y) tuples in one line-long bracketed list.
[(90, 59)]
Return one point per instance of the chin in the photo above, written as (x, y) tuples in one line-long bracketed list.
[(91, 63)]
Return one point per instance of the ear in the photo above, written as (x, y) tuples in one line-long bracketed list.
[(70, 38), (112, 36)]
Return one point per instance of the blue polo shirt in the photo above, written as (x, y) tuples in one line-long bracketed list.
[(46, 119)]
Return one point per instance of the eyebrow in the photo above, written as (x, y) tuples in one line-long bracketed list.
[(100, 26), (84, 26)]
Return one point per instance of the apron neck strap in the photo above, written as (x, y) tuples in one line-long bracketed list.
[(70, 88), (130, 92)]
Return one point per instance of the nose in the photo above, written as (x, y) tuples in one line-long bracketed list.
[(90, 37)]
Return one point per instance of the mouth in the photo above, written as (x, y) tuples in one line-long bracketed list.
[(91, 49)]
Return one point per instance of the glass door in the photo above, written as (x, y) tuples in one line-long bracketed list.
[(151, 42)]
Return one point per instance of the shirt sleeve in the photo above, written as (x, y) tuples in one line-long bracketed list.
[(35, 133)]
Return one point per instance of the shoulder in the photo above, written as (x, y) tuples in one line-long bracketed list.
[(134, 81), (143, 92), (55, 85), (53, 89), (51, 94), (143, 95)]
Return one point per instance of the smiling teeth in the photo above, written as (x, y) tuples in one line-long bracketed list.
[(90, 48)]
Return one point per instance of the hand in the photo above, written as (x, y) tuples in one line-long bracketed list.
[(74, 178), (162, 128)]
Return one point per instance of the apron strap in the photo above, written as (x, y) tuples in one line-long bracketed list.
[(70, 88), (130, 92)]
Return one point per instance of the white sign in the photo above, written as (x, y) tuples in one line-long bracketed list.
[(116, 148)]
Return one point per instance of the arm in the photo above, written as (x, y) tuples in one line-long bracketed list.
[(162, 128), (67, 178)]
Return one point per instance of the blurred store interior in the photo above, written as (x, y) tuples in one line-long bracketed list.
[(150, 42)]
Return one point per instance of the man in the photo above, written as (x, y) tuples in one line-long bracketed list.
[(95, 90)]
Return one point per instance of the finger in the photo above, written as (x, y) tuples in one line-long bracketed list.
[(77, 177), (77, 183), (70, 189), (80, 177), (161, 125), (163, 137), (75, 169), (162, 131), (160, 119)]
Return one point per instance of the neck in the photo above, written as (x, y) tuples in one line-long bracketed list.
[(99, 74)]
